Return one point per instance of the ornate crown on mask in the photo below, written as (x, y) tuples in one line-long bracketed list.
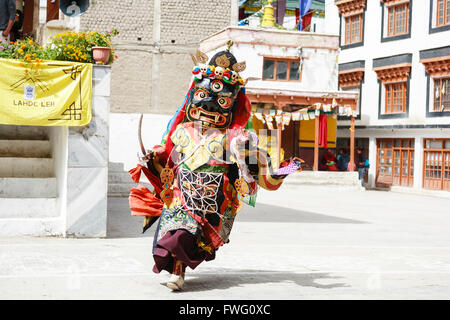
[(220, 67)]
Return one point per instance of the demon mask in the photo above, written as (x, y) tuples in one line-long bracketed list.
[(212, 101)]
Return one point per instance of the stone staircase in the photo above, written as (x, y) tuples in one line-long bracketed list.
[(28, 187), (335, 179), (120, 182)]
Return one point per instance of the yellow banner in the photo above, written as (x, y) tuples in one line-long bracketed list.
[(49, 93)]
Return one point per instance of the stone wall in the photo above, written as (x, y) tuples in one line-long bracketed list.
[(187, 22), (154, 67), (131, 89), (133, 18)]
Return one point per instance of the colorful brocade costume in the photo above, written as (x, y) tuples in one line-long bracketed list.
[(205, 168)]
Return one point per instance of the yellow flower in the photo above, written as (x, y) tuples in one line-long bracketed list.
[(20, 51), (23, 46), (31, 42)]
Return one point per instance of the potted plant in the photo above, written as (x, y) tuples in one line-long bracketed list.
[(102, 51)]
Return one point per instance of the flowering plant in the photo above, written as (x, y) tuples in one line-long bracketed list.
[(70, 46), (26, 50), (99, 39), (67, 46)]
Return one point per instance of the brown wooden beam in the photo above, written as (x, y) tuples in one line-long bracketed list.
[(352, 143), (316, 143)]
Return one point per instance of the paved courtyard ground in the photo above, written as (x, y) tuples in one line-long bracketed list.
[(298, 243)]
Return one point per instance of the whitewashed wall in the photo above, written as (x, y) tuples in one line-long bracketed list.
[(319, 68), (331, 24), (123, 130), (373, 48)]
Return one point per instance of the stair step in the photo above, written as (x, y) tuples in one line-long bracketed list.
[(13, 167), (116, 166), (28, 188), (28, 208), (119, 177), (123, 189), (11, 132), (333, 178), (25, 148)]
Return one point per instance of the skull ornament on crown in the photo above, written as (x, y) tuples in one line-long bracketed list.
[(213, 99)]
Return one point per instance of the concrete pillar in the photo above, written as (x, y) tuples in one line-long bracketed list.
[(418, 162), (372, 161), (87, 165)]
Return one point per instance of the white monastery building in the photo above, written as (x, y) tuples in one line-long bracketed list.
[(396, 54)]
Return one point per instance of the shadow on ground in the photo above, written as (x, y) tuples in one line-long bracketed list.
[(227, 278), (270, 213), (122, 225)]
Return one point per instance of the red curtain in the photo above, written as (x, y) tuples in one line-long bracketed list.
[(323, 131)]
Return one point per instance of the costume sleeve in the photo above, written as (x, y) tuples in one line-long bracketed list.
[(266, 178)]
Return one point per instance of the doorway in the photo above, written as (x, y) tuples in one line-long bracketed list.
[(395, 162)]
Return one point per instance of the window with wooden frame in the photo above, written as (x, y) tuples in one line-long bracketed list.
[(394, 80), (352, 13), (398, 19), (395, 98), (442, 13), (353, 28), (282, 69), (438, 70), (436, 164), (441, 97)]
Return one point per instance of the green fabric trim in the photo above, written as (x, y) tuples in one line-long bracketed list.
[(208, 168)]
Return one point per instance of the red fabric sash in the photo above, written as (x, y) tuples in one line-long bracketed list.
[(154, 180), (144, 203), (243, 112)]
